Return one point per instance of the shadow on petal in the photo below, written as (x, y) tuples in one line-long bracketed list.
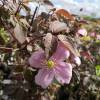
[(44, 77), (63, 73)]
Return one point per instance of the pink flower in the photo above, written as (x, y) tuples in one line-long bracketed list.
[(92, 34), (55, 67), (98, 37), (82, 32)]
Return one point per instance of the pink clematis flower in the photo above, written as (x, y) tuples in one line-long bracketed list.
[(53, 68)]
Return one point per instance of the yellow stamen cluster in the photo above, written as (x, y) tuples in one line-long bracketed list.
[(50, 64)]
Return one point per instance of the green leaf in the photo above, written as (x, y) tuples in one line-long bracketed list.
[(86, 38), (98, 70), (98, 41), (4, 35)]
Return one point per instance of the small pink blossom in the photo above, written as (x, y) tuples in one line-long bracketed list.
[(53, 68), (82, 32), (98, 37), (92, 34)]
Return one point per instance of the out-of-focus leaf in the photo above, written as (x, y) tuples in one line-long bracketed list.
[(29, 48), (13, 20), (24, 22), (87, 55), (5, 49), (18, 68), (6, 82), (4, 35), (98, 70), (97, 41), (86, 38), (68, 45), (47, 40), (26, 7), (20, 94), (57, 26), (76, 75), (86, 81), (4, 13), (28, 74), (19, 33), (26, 1), (48, 43), (12, 7), (48, 2), (10, 89), (64, 13)]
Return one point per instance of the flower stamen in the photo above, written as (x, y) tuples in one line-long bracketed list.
[(50, 64)]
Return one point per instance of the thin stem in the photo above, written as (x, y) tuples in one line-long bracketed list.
[(6, 49), (33, 16), (18, 9)]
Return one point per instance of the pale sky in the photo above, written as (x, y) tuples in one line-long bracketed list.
[(90, 7)]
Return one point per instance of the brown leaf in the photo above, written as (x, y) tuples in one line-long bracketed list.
[(57, 26), (24, 22), (87, 55), (13, 20), (26, 1), (29, 48), (64, 13), (6, 49), (48, 2), (50, 43), (47, 43), (26, 7), (19, 34), (68, 45)]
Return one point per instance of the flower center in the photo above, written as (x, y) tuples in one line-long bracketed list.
[(50, 64)]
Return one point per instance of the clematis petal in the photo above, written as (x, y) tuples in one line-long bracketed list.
[(44, 77), (37, 59), (63, 72), (61, 53), (77, 60)]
